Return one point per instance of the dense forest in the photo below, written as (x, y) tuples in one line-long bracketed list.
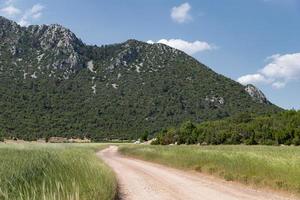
[(273, 129), (54, 85)]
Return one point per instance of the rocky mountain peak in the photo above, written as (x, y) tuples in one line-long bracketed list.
[(45, 47), (133, 42), (256, 94), (8, 28), (61, 42), (5, 21), (55, 36)]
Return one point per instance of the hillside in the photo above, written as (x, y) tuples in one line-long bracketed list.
[(52, 84)]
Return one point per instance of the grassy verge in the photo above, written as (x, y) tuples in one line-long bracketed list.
[(264, 166), (54, 172)]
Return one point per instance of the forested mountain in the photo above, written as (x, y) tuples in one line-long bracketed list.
[(52, 84)]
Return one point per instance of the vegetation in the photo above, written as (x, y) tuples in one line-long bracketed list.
[(54, 172), (276, 129), (48, 89), (262, 166)]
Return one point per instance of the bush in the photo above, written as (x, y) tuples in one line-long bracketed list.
[(169, 137), (145, 136), (235, 138), (185, 132), (280, 128), (296, 141)]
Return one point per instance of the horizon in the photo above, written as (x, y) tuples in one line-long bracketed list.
[(267, 59)]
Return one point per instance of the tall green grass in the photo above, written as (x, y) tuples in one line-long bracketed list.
[(267, 166), (54, 172)]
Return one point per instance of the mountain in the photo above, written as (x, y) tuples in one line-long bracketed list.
[(52, 84)]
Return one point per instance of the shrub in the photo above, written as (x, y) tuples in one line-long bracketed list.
[(145, 136), (296, 141), (280, 128)]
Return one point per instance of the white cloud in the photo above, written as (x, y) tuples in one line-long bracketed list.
[(10, 11), (252, 79), (150, 42), (180, 13), (278, 85), (272, 57), (36, 8), (37, 15), (281, 70), (23, 22), (187, 47), (34, 13), (283, 67)]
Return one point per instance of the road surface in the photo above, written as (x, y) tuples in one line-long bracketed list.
[(141, 180)]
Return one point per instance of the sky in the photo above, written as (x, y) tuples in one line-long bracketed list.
[(250, 41)]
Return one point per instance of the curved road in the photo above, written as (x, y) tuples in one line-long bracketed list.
[(140, 180)]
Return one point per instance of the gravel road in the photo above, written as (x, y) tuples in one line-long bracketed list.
[(140, 180)]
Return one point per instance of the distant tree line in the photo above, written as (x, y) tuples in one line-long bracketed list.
[(246, 128)]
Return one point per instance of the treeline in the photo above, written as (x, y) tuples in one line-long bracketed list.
[(275, 129)]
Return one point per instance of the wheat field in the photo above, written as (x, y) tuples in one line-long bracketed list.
[(54, 172)]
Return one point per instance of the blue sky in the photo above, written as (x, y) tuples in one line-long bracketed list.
[(252, 41)]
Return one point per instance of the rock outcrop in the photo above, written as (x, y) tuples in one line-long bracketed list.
[(256, 94)]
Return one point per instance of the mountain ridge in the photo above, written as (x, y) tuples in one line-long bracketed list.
[(53, 84)]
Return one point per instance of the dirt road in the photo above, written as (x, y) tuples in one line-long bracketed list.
[(140, 180)]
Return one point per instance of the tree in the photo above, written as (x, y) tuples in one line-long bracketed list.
[(296, 140), (185, 132), (170, 136), (251, 140), (144, 136)]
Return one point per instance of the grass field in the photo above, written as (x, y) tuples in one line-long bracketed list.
[(263, 166), (54, 172)]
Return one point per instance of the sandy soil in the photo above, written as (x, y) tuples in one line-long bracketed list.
[(140, 180)]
